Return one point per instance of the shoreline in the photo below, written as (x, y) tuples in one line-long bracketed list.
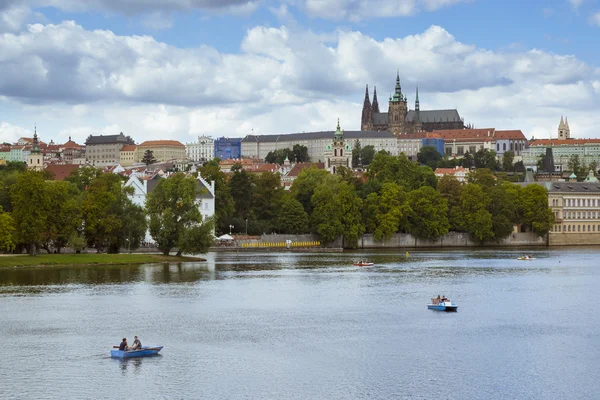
[(89, 259)]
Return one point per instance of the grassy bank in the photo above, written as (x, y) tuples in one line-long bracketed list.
[(88, 259)]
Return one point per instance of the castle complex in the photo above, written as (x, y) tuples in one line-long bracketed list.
[(400, 120)]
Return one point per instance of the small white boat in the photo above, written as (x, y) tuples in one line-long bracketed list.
[(526, 258), (364, 264)]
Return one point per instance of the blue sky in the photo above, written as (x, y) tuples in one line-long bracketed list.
[(176, 69)]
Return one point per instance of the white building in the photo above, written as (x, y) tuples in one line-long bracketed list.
[(203, 150), (258, 146)]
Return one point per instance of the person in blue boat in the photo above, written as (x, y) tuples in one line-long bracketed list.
[(137, 345), (123, 346)]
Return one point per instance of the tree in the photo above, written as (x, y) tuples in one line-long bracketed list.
[(241, 188), (148, 157), (537, 215), (400, 170), (428, 155), (505, 208), (476, 220), (427, 213), (485, 158), (483, 177), (300, 153), (31, 207), (64, 198), (384, 212), (468, 161), (356, 156), (305, 184), (507, 160), (292, 218), (82, 177), (594, 166), (7, 229), (367, 154), (267, 196), (175, 220), (349, 206), (106, 210), (325, 219), (451, 189)]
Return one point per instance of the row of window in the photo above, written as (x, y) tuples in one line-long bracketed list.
[(513, 146), (580, 214), (577, 202), (575, 228)]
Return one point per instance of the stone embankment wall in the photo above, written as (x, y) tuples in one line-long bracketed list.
[(574, 239), (403, 240)]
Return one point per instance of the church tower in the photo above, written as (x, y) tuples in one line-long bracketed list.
[(375, 108), (397, 110), (366, 122), (564, 132), (338, 153), (35, 160), (417, 118)]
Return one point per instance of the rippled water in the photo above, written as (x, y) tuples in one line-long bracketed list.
[(308, 326)]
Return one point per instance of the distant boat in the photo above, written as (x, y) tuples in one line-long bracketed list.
[(364, 264), (526, 258), (145, 351), (442, 305)]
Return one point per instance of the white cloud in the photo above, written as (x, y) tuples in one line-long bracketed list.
[(78, 82), (11, 133), (356, 10), (576, 3), (595, 19), (12, 16), (157, 20)]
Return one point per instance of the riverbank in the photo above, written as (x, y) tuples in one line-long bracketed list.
[(24, 260)]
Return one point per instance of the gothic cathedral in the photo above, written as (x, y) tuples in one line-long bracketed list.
[(400, 120)]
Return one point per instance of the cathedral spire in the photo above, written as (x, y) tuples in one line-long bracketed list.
[(566, 123), (367, 112), (562, 123), (398, 90), (375, 106), (417, 105)]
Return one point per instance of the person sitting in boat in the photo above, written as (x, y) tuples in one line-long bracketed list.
[(136, 344), (437, 301), (123, 346)]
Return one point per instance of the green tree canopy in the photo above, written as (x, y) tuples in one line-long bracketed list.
[(384, 212), (307, 181), (485, 158), (508, 161), (428, 155), (148, 157), (292, 219), (475, 217), (427, 213), (537, 215), (451, 189), (224, 204), (175, 220)]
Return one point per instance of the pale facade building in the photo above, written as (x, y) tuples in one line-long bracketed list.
[(258, 146), (202, 150), (128, 155), (105, 150), (461, 174), (35, 158), (162, 150), (563, 148), (576, 207)]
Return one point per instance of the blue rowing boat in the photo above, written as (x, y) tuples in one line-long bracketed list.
[(442, 305), (145, 351)]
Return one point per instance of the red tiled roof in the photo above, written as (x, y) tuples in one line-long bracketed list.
[(514, 134), (129, 147), (5, 149), (150, 143), (465, 133), (71, 145), (568, 142), (446, 171), (295, 171), (60, 172)]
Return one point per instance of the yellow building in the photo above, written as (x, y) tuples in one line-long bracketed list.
[(576, 207), (162, 150), (128, 155)]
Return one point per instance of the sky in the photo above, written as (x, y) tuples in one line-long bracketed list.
[(177, 69)]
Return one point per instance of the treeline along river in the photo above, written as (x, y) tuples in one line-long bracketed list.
[(308, 326)]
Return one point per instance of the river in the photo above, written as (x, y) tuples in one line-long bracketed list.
[(308, 326)]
